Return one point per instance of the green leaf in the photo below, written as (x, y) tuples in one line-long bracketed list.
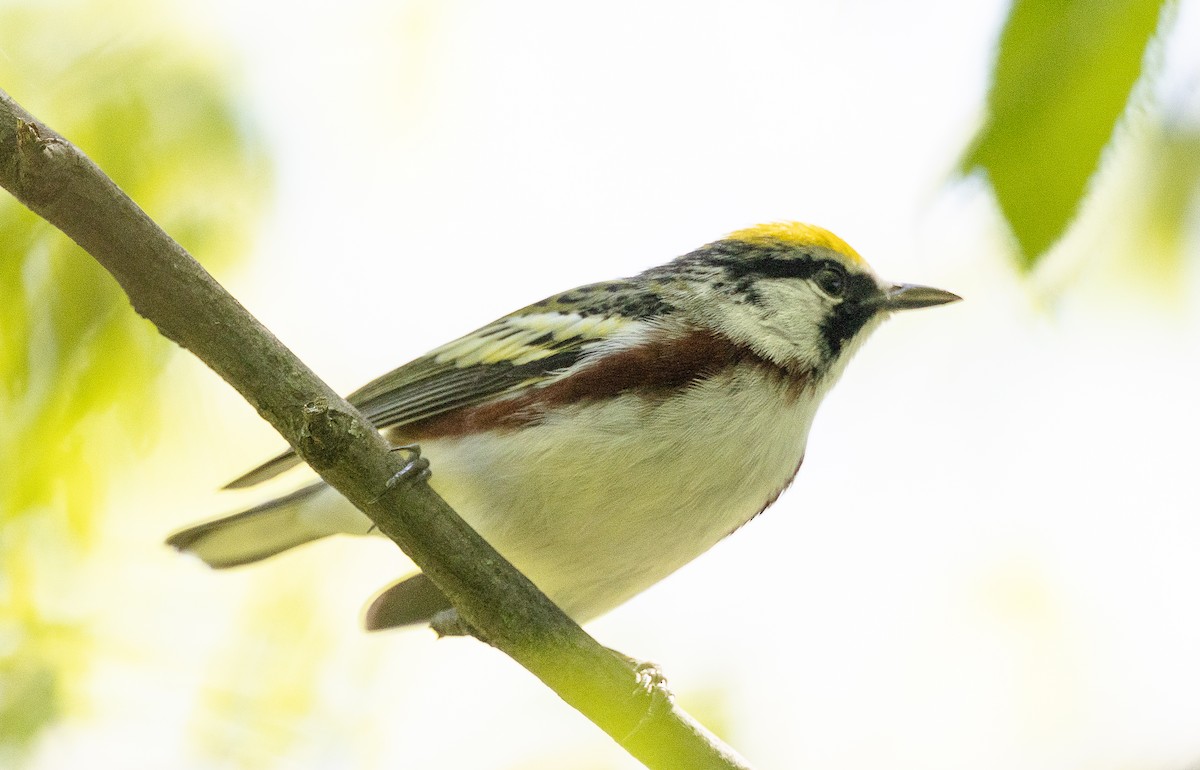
[(1063, 76)]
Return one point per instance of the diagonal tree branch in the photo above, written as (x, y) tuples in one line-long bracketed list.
[(497, 603)]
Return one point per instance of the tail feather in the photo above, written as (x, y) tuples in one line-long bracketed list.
[(253, 534), (413, 600), (268, 470)]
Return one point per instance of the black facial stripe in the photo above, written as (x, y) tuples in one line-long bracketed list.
[(765, 264), (848, 317), (745, 262), (744, 273), (862, 289)]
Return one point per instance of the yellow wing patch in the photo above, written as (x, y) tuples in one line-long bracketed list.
[(798, 234), (522, 339)]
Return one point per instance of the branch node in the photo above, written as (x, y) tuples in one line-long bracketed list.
[(37, 149), (325, 431)]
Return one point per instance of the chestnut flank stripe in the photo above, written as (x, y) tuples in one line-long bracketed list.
[(650, 370)]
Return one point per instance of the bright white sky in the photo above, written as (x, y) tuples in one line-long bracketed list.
[(989, 559)]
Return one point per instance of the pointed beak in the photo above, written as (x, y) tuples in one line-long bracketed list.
[(907, 296)]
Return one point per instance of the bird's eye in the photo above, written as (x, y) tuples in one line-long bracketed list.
[(832, 280)]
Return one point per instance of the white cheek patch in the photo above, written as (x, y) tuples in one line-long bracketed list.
[(789, 320)]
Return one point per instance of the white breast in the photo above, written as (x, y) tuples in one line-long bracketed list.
[(601, 501)]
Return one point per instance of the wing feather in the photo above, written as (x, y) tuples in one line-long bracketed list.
[(531, 347)]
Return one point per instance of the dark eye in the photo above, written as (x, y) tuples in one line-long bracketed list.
[(832, 280)]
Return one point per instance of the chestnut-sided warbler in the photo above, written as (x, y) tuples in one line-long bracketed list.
[(580, 435)]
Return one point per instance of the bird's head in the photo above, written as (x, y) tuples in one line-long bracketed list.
[(796, 294)]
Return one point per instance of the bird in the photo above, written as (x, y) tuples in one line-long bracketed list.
[(605, 436)]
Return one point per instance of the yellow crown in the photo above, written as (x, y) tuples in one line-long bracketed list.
[(796, 234)]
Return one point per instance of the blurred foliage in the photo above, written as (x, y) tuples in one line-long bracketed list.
[(1064, 73), (260, 689), (76, 365), (1161, 191)]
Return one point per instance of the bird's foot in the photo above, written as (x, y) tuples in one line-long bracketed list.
[(649, 676), (652, 680), (415, 467)]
